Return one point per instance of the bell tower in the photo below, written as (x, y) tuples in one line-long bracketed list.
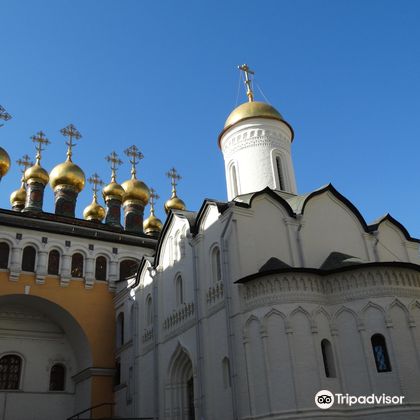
[(256, 146)]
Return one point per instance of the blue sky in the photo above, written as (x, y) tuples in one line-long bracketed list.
[(162, 75)]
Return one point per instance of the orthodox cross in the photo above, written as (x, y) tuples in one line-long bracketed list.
[(174, 177), (134, 157), (25, 163), (115, 162), (4, 115), (97, 182), (42, 141), (247, 82), (72, 133), (152, 201)]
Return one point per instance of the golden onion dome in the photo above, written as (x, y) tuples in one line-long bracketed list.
[(174, 203), (152, 225), (113, 190), (136, 190), (253, 109), (94, 211), (37, 173), (18, 197), (67, 173), (4, 162)]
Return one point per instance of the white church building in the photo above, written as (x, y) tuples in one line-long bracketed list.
[(242, 310), (249, 307)]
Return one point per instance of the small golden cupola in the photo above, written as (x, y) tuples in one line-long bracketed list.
[(67, 179), (174, 202), (94, 211), (36, 177), (18, 197), (113, 193), (4, 156), (152, 226), (136, 194)]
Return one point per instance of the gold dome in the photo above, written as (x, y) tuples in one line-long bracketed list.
[(136, 190), (152, 225), (37, 173), (174, 203), (67, 173), (113, 190), (4, 162), (253, 109), (18, 197), (94, 211)]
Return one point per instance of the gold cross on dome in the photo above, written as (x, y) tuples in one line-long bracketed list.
[(134, 157), (247, 82), (42, 141), (115, 162), (153, 198), (24, 162), (72, 133), (4, 115), (174, 177), (96, 181)]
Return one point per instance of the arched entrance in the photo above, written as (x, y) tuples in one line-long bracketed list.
[(181, 377), (42, 349)]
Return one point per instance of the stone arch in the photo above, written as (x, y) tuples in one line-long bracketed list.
[(302, 310), (247, 323), (373, 305), (396, 302), (181, 384), (272, 312)]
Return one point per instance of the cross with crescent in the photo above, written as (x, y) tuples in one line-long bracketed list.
[(134, 157)]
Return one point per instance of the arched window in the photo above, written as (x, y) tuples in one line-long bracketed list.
[(128, 268), (234, 180), (149, 310), (226, 372), (57, 377), (215, 264), (328, 358), (28, 259), (280, 176), (77, 265), (120, 329), (4, 254), (100, 269), (10, 368), (179, 290), (380, 353), (53, 262)]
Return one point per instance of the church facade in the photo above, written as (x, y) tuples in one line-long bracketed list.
[(244, 309)]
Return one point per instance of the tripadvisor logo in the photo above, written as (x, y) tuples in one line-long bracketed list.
[(324, 399)]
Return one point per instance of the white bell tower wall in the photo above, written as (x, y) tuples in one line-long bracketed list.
[(257, 155)]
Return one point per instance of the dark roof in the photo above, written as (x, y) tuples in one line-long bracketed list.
[(273, 263), (48, 222), (321, 272), (338, 259)]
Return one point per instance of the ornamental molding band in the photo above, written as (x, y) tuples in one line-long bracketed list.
[(331, 289), (254, 137)]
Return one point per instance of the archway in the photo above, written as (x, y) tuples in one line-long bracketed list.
[(181, 386), (43, 334)]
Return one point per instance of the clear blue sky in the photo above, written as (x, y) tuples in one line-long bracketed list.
[(162, 75)]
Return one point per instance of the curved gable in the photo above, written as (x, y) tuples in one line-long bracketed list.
[(331, 223)]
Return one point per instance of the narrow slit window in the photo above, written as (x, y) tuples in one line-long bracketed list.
[(328, 358), (380, 353), (279, 172), (100, 268), (234, 180)]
